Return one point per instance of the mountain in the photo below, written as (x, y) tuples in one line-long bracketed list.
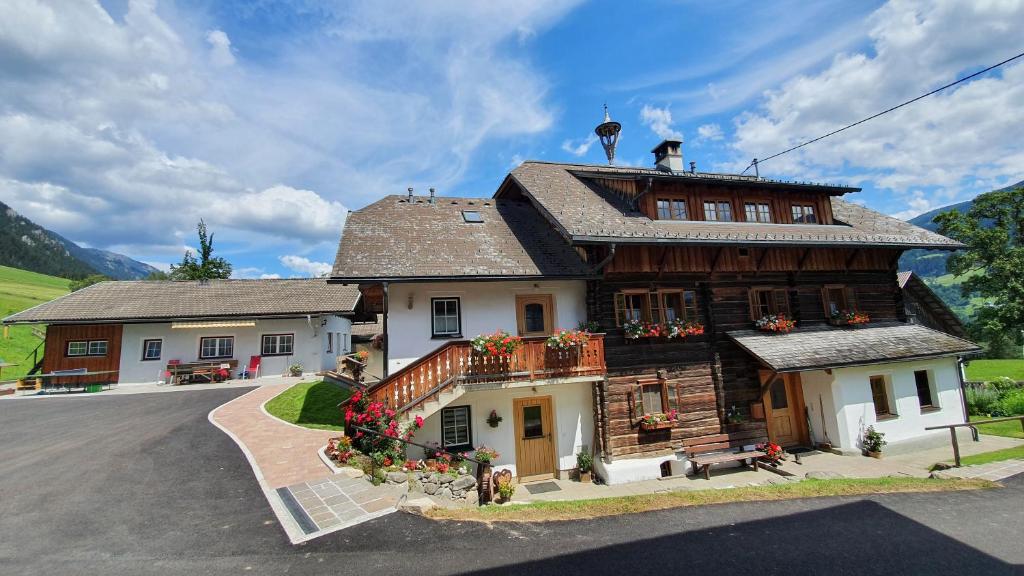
[(26, 245)]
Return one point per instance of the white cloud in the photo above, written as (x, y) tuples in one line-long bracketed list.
[(305, 266), (122, 130), (710, 132), (950, 144), (659, 120), (220, 48), (270, 276), (581, 146)]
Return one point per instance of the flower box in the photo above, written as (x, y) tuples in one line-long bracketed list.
[(651, 426), (849, 318), (650, 422), (775, 323)]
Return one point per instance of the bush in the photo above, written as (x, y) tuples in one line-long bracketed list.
[(1012, 403), (982, 401)]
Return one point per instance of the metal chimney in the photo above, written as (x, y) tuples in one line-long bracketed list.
[(431, 195), (410, 193)]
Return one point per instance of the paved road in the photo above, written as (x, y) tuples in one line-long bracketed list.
[(144, 484)]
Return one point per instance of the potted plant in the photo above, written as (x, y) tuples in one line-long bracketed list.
[(657, 421), (295, 369), (485, 455), (584, 465), (591, 326), (734, 417), (773, 453), (873, 442), (506, 488), (568, 339), (501, 344), (777, 323), (493, 420), (849, 318)]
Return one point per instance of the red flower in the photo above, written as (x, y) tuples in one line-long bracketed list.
[(419, 421)]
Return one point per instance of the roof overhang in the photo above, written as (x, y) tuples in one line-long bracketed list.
[(407, 279), (179, 319), (586, 239), (823, 348), (714, 178), (214, 324)]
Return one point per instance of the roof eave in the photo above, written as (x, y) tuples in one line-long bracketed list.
[(164, 319), (910, 358), (462, 278), (588, 239)]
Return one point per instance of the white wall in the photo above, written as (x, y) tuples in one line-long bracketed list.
[(310, 346), (485, 307), (846, 396), (573, 420)]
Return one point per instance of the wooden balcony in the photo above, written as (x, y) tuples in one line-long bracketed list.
[(456, 363)]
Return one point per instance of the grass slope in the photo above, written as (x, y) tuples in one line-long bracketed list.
[(1016, 453), (310, 404), (21, 289), (581, 509), (1008, 428), (987, 370)]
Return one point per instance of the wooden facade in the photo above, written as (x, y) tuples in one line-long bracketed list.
[(56, 358)]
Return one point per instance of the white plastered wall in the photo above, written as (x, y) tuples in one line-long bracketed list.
[(310, 346), (485, 307)]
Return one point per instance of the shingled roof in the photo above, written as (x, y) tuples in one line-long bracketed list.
[(164, 301), (584, 212), (396, 238), (821, 347)]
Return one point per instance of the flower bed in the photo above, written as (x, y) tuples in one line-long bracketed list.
[(501, 344), (777, 323)]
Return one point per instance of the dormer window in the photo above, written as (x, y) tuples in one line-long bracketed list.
[(472, 216), (758, 212), (669, 209), (717, 211), (804, 214)]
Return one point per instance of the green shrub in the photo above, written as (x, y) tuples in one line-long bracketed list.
[(1012, 403), (982, 401), (1004, 384)]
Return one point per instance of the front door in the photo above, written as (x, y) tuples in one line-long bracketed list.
[(784, 408), (535, 440)]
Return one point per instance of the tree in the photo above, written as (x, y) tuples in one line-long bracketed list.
[(76, 285), (993, 262), (158, 275), (207, 267)]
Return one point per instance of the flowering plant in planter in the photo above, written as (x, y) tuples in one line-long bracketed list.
[(775, 323), (681, 329), (568, 339), (591, 326), (501, 344), (361, 356), (493, 420), (635, 329), (850, 318), (658, 420), (339, 449), (773, 452), (486, 455)]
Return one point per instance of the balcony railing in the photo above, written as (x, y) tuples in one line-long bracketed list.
[(456, 363)]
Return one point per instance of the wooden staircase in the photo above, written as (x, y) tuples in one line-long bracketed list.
[(437, 379)]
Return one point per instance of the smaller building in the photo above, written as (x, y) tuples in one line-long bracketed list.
[(130, 332), (923, 306)]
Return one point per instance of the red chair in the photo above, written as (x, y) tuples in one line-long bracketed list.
[(253, 371)]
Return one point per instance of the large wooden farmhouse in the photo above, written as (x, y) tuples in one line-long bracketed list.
[(671, 269)]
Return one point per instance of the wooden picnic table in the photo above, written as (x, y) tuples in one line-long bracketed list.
[(200, 368)]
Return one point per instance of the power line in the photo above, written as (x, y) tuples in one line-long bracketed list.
[(897, 107)]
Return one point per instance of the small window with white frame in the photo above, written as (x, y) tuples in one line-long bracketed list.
[(456, 431), (216, 347), (152, 349), (446, 319), (86, 348), (278, 344)]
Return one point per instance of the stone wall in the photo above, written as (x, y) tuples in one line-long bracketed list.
[(461, 488)]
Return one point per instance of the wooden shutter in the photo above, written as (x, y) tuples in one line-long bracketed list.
[(620, 308), (780, 301)]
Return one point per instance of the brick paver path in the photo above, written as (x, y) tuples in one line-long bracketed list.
[(285, 454), (990, 471)]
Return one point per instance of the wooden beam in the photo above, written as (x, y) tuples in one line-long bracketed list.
[(664, 257), (760, 260), (714, 261), (853, 256), (767, 377), (803, 260)]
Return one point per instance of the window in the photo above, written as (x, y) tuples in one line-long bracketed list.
[(216, 347), (535, 314), (837, 298), (880, 396), (757, 212), (659, 306), (718, 210), (804, 214), (279, 344), (330, 343), (151, 349), (446, 320), (533, 422), (455, 428), (87, 348), (924, 389), (768, 301), (650, 397), (669, 209), (472, 217)]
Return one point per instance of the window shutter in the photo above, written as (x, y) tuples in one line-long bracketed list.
[(620, 308), (824, 302), (752, 302), (781, 297), (636, 405), (851, 298)]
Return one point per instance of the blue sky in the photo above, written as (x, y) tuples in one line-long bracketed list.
[(126, 121)]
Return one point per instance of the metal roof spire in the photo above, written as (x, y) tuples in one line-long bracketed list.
[(608, 132)]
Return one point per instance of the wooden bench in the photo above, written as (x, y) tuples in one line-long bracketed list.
[(706, 460)]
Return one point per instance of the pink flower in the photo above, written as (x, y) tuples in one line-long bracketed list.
[(419, 421)]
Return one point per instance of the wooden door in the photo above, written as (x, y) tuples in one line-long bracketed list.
[(784, 409), (535, 438)]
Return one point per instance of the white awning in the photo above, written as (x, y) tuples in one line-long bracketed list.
[(214, 324)]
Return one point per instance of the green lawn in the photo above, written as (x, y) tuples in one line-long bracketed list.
[(986, 370), (20, 289), (994, 456), (1010, 429), (311, 404)]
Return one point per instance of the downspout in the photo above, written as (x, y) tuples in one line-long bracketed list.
[(647, 188), (384, 336), (600, 265), (963, 395)]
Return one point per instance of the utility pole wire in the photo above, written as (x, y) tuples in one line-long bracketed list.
[(898, 106)]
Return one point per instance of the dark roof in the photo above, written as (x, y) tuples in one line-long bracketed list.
[(397, 239), (584, 211), (144, 300), (820, 347), (926, 306), (369, 328)]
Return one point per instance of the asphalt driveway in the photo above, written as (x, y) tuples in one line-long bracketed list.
[(144, 484)]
